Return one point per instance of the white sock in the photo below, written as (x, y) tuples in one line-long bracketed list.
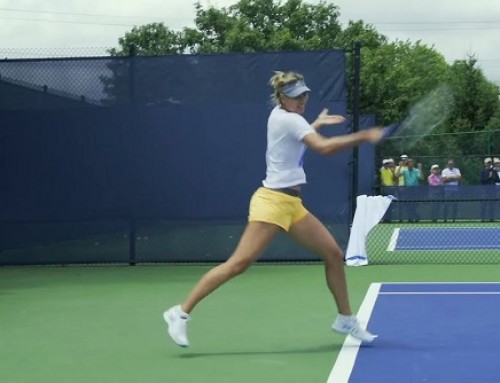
[(345, 317)]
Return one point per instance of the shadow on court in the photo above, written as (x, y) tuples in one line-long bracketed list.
[(327, 348)]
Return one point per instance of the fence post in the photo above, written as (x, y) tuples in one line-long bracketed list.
[(132, 101), (491, 149), (132, 242), (132, 51), (356, 73)]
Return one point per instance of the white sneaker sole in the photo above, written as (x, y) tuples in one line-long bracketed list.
[(168, 321), (367, 337)]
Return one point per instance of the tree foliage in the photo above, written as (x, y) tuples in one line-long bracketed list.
[(150, 39), (248, 26), (476, 99), (393, 74)]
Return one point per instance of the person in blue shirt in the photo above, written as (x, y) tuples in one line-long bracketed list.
[(412, 176)]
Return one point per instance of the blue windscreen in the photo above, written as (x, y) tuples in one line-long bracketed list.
[(179, 137)]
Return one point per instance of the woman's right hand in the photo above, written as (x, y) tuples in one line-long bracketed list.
[(374, 135)]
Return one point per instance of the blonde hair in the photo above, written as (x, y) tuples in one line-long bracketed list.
[(278, 80)]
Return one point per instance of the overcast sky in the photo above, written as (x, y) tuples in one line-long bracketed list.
[(456, 28)]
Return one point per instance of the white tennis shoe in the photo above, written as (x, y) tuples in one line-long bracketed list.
[(177, 321), (350, 325)]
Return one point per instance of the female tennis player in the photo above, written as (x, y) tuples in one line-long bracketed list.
[(277, 206)]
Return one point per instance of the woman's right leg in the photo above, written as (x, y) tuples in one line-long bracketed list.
[(255, 239), (312, 234)]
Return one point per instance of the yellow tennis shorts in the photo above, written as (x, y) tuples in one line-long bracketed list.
[(275, 207)]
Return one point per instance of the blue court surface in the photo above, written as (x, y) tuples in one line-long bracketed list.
[(446, 238), (428, 332)]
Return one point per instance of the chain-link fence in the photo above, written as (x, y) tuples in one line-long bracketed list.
[(467, 149), (125, 159), (434, 220), (426, 242), (424, 225), (51, 53)]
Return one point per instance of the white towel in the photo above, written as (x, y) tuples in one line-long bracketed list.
[(369, 212)]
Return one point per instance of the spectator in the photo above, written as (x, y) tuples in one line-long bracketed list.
[(412, 177), (451, 179), (451, 175), (435, 181), (435, 178), (399, 169), (488, 177), (387, 173), (496, 167), (488, 174)]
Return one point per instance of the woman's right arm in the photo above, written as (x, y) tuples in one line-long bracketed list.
[(329, 145)]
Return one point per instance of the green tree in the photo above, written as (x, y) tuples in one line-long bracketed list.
[(476, 98), (475, 105), (264, 25), (247, 26), (150, 39), (393, 74)]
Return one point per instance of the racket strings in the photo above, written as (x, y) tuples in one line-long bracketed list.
[(424, 116)]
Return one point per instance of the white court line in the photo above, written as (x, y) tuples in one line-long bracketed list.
[(468, 228), (344, 364), (440, 293), (442, 283), (394, 240)]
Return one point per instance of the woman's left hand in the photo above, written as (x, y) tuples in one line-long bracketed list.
[(329, 119)]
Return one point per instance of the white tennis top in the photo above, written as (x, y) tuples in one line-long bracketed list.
[(285, 149)]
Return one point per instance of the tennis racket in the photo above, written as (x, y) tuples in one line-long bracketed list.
[(422, 117)]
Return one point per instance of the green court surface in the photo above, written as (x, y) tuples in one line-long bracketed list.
[(104, 324)]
